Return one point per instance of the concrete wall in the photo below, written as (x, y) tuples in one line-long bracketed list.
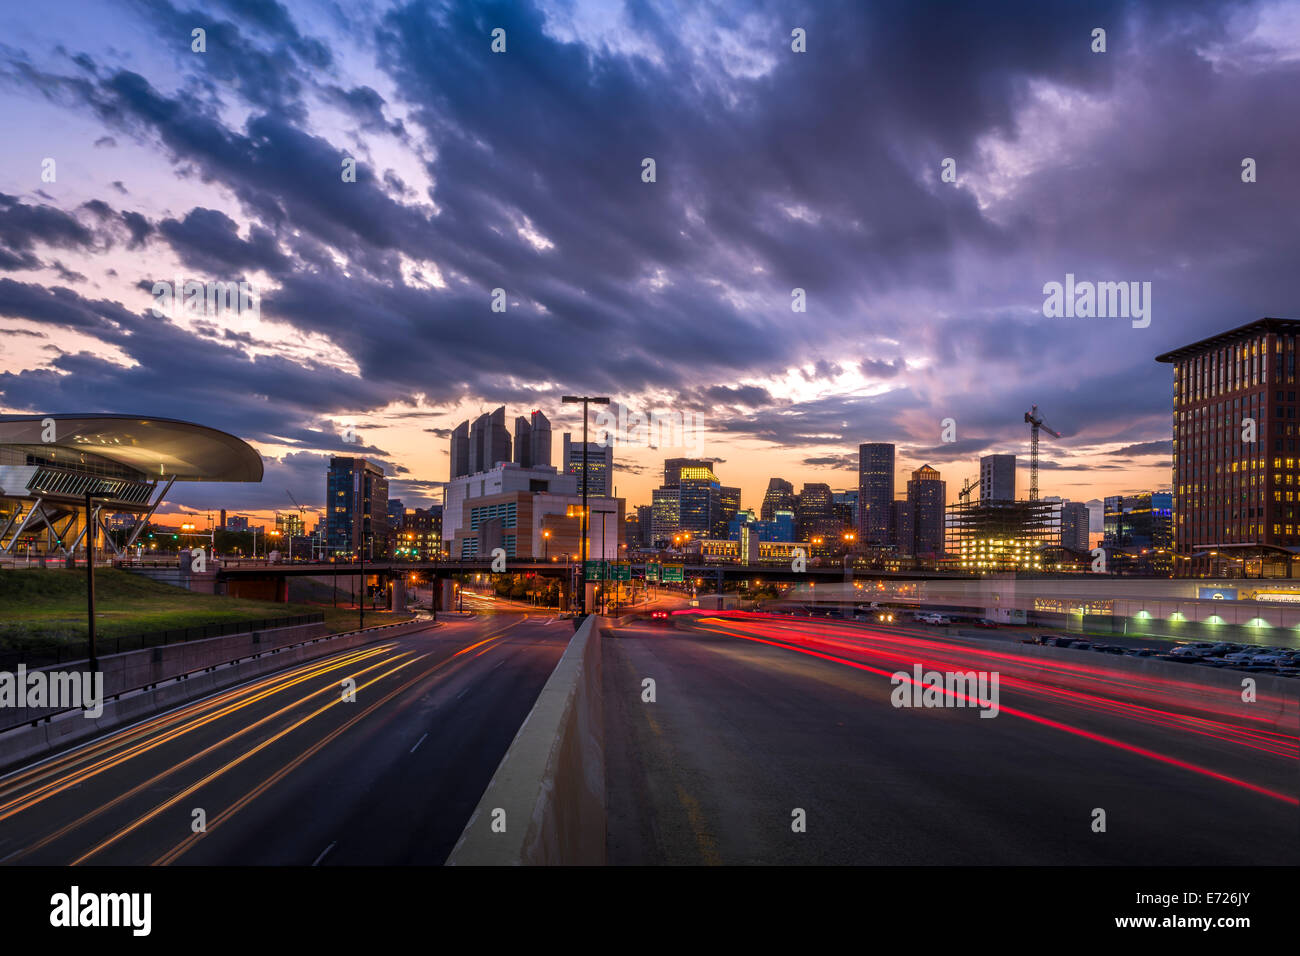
[(551, 782), (180, 576), (135, 669), (215, 672)]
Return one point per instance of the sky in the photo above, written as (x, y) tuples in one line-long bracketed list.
[(775, 169)]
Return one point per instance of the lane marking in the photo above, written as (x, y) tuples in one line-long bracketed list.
[(417, 743), (182, 847), (323, 852)]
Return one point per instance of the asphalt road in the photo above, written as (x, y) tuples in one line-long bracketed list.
[(288, 772), (744, 733)]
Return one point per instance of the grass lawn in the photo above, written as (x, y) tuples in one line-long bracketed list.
[(44, 608)]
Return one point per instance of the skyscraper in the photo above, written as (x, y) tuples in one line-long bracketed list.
[(489, 441), (902, 525), (533, 441), (928, 493), (600, 465), (814, 514), (665, 516), (846, 509), (997, 478), (356, 508), (779, 497), (729, 505), (1075, 526), (875, 492), (673, 468), (699, 500), (460, 450), (1231, 480)]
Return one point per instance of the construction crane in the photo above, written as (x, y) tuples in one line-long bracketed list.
[(964, 495), (1035, 423)]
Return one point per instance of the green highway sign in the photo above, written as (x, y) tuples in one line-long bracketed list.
[(673, 574)]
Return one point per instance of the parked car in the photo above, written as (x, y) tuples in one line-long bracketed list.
[(1271, 658), (937, 619), (984, 622), (1243, 656), (1199, 649), (1139, 652)]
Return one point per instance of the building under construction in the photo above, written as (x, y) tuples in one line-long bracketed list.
[(1003, 535)]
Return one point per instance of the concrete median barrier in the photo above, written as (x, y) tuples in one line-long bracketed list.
[(545, 805)]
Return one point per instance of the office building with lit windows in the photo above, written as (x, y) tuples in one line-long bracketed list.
[(875, 493), (1236, 464), (1076, 524), (356, 509), (600, 466), (779, 497), (1138, 534), (927, 493), (529, 513)]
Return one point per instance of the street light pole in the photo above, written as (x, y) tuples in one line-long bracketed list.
[(90, 582), (90, 579), (585, 400)]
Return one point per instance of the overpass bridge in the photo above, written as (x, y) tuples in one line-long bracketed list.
[(266, 580)]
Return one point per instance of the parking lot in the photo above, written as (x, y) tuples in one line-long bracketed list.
[(1258, 658)]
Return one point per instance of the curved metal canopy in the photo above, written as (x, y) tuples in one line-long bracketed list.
[(159, 447)]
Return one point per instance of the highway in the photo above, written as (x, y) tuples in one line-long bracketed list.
[(286, 771), (756, 717)]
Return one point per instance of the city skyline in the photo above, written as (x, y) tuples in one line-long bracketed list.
[(924, 298)]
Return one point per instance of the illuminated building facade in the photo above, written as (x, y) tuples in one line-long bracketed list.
[(1236, 465), (1006, 536)]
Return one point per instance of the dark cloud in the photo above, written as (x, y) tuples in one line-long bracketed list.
[(209, 240), (816, 171), (1146, 448), (24, 226)]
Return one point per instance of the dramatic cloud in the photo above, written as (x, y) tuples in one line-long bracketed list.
[(521, 171)]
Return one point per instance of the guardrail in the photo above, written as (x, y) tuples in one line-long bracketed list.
[(138, 642), (186, 675)]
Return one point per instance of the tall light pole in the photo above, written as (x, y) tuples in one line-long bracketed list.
[(90, 576), (585, 400)]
